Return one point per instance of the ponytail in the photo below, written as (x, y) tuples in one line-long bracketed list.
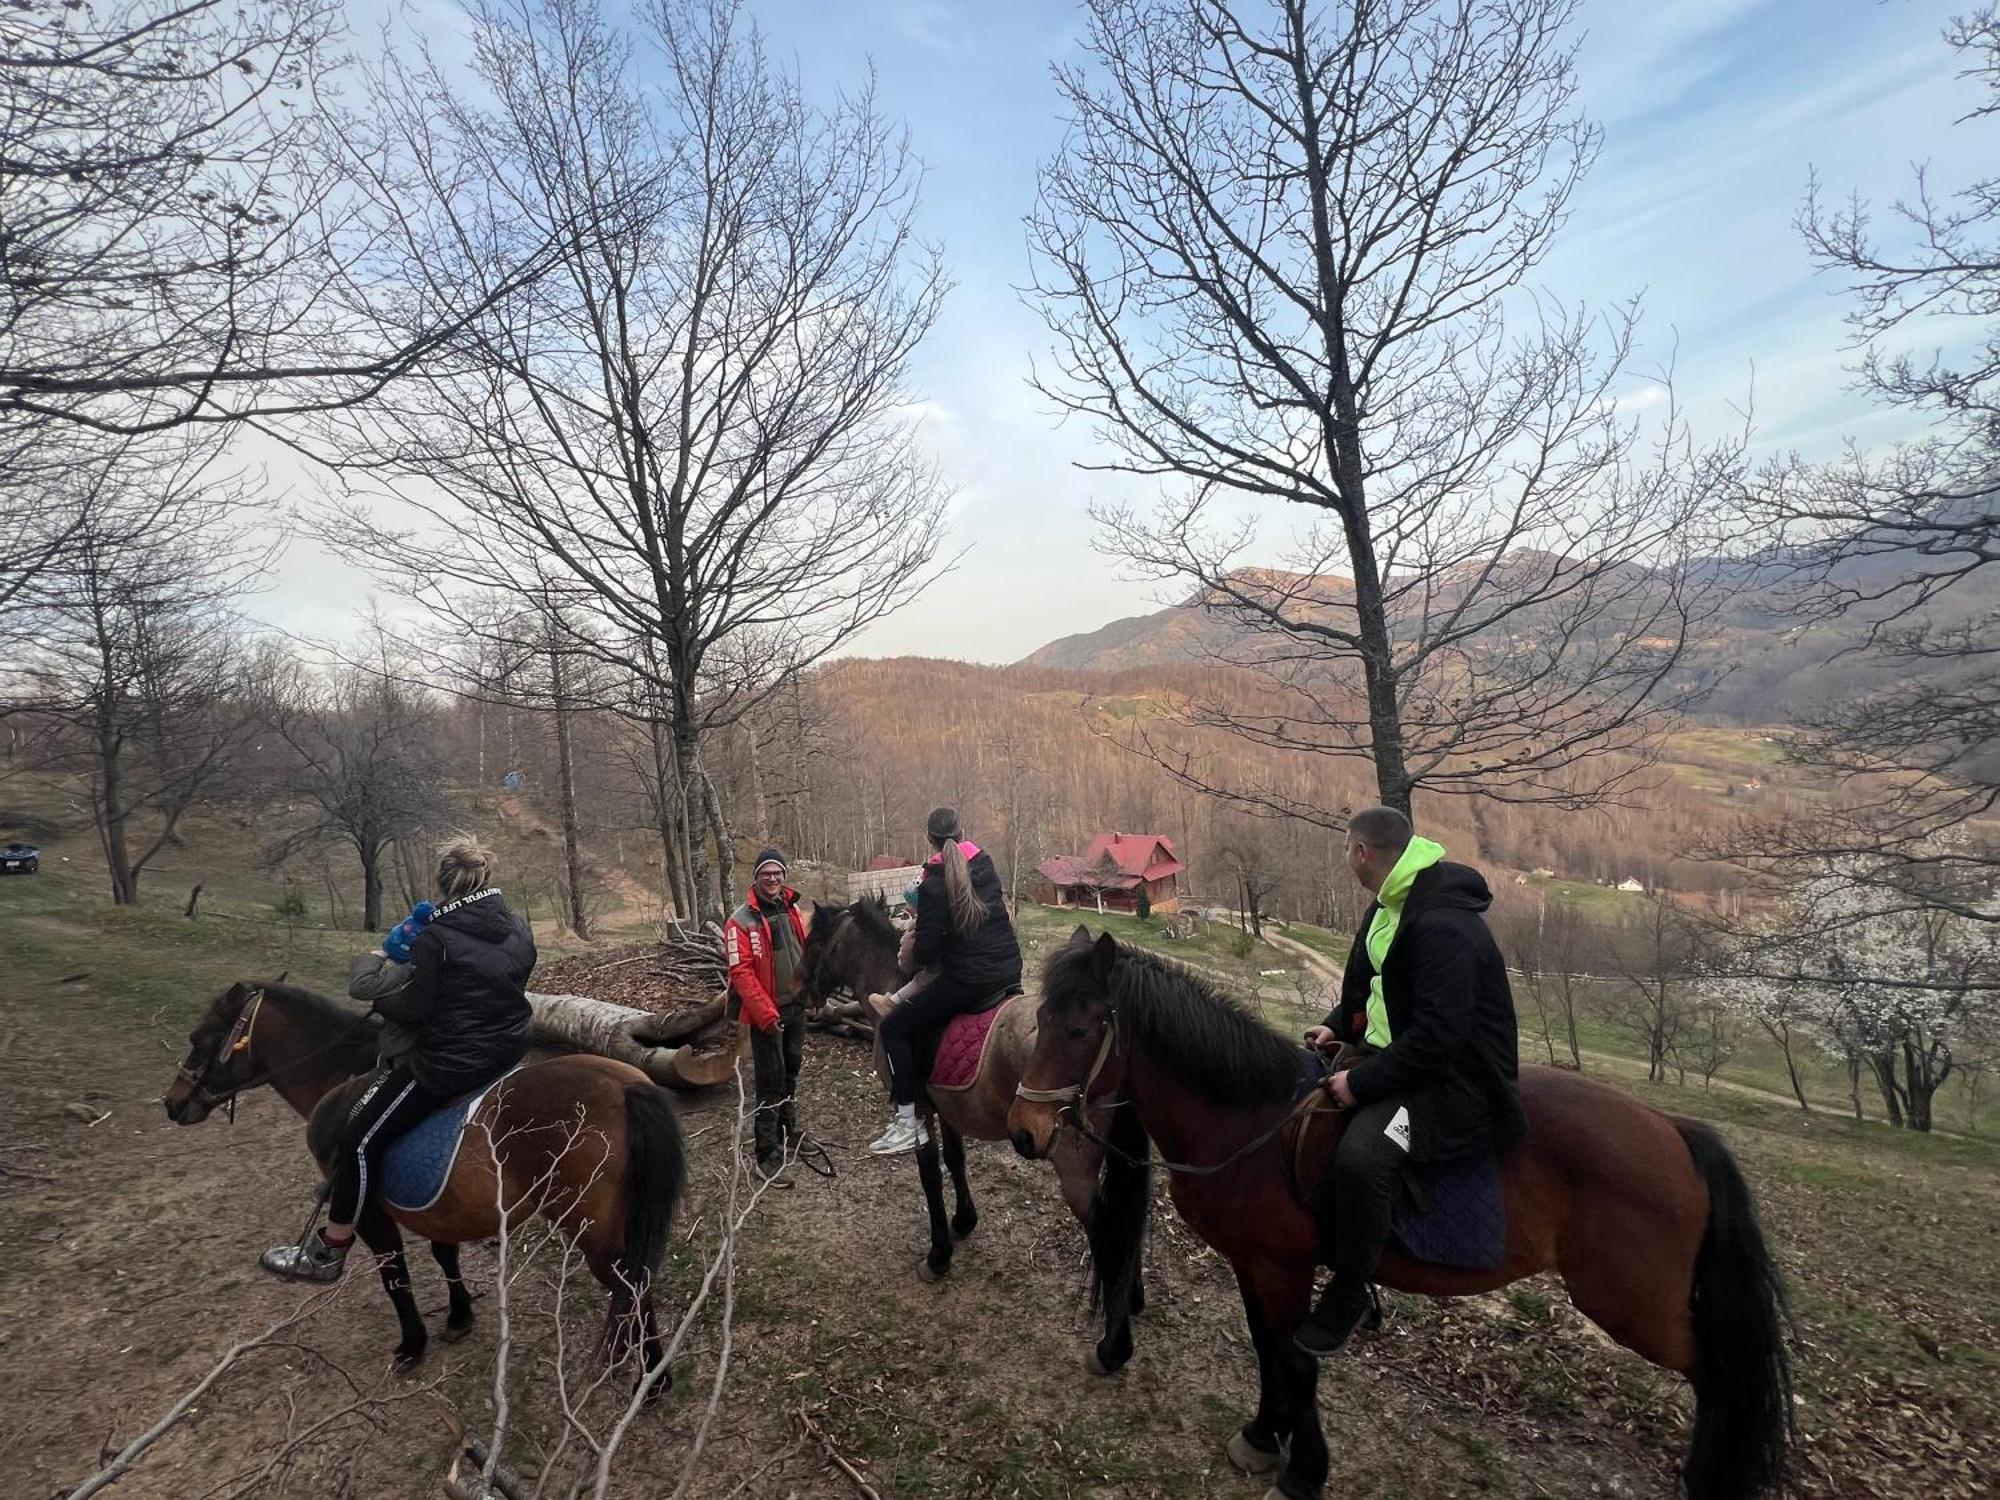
[(968, 912)]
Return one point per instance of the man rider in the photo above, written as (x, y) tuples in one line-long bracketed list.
[(1426, 1000)]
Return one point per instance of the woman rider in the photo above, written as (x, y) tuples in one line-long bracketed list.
[(963, 932), (465, 1012)]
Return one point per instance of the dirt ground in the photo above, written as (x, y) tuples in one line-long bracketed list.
[(128, 1265)]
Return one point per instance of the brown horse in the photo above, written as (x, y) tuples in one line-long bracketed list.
[(1645, 1217), (590, 1144), (854, 947)]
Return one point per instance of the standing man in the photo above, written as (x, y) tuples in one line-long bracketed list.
[(1425, 999), (766, 941)]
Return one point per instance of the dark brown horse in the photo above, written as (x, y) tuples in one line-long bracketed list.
[(1645, 1217), (855, 947), (590, 1144)]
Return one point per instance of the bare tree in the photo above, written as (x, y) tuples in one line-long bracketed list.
[(1240, 847), (127, 653), (183, 242), (367, 759), (694, 436), (1895, 547), (1659, 954), (1285, 255)]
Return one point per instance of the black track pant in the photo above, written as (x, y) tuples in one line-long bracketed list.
[(775, 1059), (1367, 1169), (926, 1011), (391, 1105)]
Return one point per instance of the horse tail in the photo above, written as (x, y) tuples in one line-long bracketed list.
[(655, 1176), (1120, 1212), (1743, 1421)]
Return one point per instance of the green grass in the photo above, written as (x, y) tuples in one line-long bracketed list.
[(1323, 941), (1599, 902), (1214, 945)]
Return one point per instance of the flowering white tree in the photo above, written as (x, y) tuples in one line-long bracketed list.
[(1885, 982)]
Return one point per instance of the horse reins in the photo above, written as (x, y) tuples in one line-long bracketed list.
[(238, 1041), (1074, 1097)]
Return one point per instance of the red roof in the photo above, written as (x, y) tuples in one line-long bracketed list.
[(1061, 869), (1116, 861), (1139, 856), (888, 862)]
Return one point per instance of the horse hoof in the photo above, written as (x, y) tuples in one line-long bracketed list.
[(964, 1225), (1097, 1364), (931, 1274), (407, 1360), (1249, 1458), (453, 1332)]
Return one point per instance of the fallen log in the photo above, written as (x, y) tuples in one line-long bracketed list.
[(599, 1027), (680, 1025)]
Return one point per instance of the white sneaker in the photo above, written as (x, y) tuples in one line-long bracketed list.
[(902, 1135)]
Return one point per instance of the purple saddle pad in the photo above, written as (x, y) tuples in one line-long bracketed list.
[(1454, 1214)]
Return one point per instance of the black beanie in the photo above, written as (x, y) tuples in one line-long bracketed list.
[(767, 857)]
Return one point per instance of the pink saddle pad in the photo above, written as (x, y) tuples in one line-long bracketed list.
[(959, 1049)]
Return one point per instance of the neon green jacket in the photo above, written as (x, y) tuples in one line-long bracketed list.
[(1421, 854)]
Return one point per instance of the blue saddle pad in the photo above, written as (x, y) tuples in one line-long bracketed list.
[(1454, 1214), (418, 1162)]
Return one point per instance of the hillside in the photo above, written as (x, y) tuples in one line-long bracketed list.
[(1769, 666)]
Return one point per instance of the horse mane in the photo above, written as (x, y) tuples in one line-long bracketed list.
[(351, 1028), (871, 914), (1199, 1033)]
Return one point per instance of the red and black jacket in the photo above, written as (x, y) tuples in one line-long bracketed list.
[(753, 968)]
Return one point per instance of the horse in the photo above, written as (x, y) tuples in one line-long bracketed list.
[(590, 1144), (854, 947), (1644, 1215)]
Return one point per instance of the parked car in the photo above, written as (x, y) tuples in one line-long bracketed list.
[(20, 859)]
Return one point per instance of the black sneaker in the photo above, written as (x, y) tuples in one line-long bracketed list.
[(1343, 1306), (774, 1171)]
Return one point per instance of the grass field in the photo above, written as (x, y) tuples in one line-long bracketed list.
[(127, 1247)]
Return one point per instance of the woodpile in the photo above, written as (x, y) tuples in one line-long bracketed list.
[(660, 1007)]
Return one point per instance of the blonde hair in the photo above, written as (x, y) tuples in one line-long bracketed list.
[(464, 867), (968, 912)]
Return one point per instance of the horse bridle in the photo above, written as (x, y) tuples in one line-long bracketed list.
[(237, 1041), (1074, 1097)]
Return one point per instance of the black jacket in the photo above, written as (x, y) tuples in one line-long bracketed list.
[(1454, 1050), (467, 1000), (987, 959)]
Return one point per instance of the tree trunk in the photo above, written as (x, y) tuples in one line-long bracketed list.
[(1782, 1035), (112, 815), (371, 885), (1883, 1065), (725, 854), (760, 806), (599, 1027), (579, 919)]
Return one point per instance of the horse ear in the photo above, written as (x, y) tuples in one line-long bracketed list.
[(281, 976), (1103, 957), (1081, 937)]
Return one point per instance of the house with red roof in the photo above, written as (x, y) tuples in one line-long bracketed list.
[(1111, 874)]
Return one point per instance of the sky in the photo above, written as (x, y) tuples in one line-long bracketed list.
[(1715, 113)]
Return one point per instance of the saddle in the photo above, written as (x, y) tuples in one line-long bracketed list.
[(953, 1056), (1450, 1213), (418, 1163)]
